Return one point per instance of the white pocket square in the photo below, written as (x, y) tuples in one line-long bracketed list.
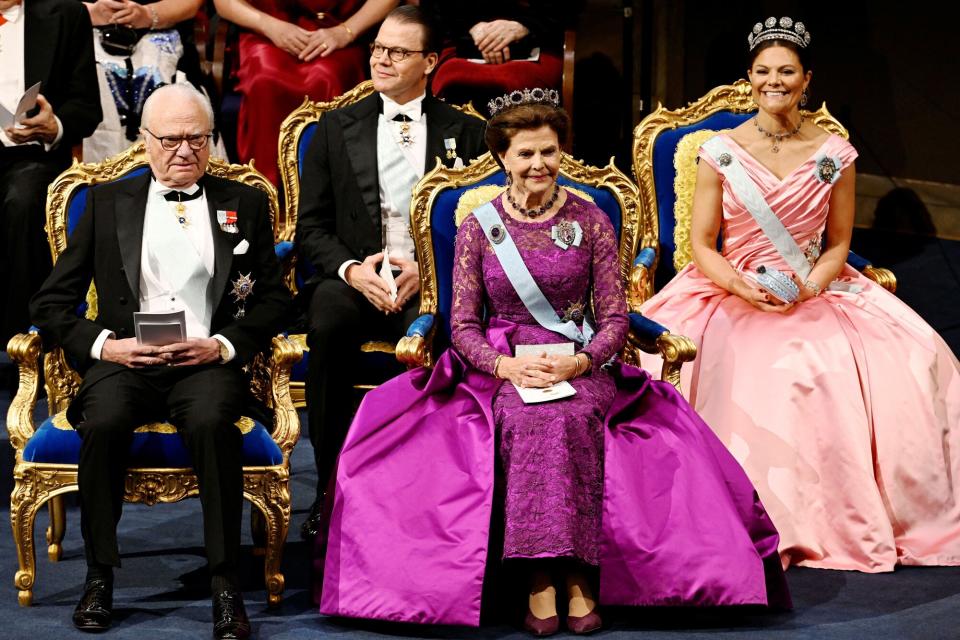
[(241, 248)]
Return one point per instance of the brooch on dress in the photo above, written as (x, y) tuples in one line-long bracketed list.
[(828, 169), (497, 233), (812, 252), (242, 288), (724, 159), (574, 311), (566, 234)]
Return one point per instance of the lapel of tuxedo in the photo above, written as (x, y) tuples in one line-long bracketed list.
[(219, 198), (439, 127), (360, 140), (129, 211), (41, 32)]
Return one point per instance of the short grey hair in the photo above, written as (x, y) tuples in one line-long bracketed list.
[(186, 91)]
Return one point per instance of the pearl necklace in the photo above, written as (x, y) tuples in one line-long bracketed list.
[(778, 137), (533, 213)]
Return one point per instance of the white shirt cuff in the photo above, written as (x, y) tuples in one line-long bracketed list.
[(342, 271), (56, 141), (97, 347), (231, 352)]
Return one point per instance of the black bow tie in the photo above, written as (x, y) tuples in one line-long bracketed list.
[(402, 117), (182, 196)]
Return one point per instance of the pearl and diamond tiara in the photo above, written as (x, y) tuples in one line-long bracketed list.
[(783, 29), (525, 96)]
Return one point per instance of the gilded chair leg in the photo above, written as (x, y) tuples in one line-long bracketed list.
[(258, 532), (58, 526), (272, 498), (24, 504)]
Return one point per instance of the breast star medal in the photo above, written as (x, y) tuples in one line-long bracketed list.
[(566, 234), (574, 312), (242, 288)]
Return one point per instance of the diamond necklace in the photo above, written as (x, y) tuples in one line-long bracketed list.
[(778, 137), (533, 213)]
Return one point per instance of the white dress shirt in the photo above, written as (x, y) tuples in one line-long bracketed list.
[(176, 264), (396, 227), (12, 69)]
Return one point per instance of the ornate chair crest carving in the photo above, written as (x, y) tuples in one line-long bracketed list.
[(665, 148), (296, 132), (444, 197), (46, 457)]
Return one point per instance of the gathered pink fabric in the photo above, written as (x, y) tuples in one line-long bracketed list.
[(844, 411)]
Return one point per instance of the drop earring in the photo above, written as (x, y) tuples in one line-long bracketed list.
[(804, 98)]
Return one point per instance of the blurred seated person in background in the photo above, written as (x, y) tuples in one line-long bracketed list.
[(45, 41), (139, 46), (495, 47), (291, 49)]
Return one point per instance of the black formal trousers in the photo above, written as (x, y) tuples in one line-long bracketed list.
[(202, 402), (340, 320), (25, 174)]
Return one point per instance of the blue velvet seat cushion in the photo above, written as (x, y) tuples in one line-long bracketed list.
[(154, 446)]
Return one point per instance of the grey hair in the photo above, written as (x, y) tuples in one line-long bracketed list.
[(186, 91)]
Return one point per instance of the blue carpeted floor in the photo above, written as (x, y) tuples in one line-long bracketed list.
[(161, 590)]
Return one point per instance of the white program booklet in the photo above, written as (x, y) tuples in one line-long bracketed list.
[(26, 102), (534, 56), (557, 391), (386, 274), (160, 328)]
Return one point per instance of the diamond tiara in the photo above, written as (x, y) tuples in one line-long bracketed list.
[(525, 96), (783, 29)]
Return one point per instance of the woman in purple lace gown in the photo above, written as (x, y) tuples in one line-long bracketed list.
[(622, 476)]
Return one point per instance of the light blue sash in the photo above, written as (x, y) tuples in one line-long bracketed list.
[(768, 221), (523, 283)]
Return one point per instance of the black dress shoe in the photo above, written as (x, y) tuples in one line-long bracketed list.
[(95, 608), (229, 616), (311, 526)]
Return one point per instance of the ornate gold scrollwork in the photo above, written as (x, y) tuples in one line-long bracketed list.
[(673, 349), (883, 277)]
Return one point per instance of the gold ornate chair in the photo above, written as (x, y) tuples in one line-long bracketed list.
[(665, 148), (296, 132), (444, 197), (46, 457)]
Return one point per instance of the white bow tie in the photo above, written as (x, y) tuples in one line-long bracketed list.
[(411, 110)]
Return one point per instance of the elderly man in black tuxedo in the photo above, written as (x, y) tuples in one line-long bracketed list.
[(172, 241), (45, 41), (358, 173)]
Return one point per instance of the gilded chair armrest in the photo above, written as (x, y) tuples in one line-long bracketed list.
[(652, 337), (641, 278), (413, 349), (883, 277), (286, 428), (25, 349)]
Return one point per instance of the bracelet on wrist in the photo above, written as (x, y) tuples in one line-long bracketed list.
[(348, 30), (813, 286), (154, 17), (496, 366)]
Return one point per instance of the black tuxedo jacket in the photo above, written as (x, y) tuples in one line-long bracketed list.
[(58, 53), (339, 210), (106, 246)]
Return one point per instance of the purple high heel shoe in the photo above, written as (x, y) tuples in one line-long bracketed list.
[(584, 624), (541, 627)]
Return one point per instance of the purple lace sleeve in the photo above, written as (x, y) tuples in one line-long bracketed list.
[(609, 301), (467, 331)]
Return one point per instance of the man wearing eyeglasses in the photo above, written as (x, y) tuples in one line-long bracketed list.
[(358, 174), (45, 41), (171, 240)]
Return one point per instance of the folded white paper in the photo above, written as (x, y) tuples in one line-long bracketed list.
[(386, 273), (26, 102), (563, 389), (534, 56), (160, 328), (241, 248)]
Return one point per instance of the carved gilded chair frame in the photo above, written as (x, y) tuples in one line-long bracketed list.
[(734, 98), (635, 233), (36, 484)]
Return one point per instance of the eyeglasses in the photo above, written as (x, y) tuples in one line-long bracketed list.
[(172, 143), (397, 54)]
